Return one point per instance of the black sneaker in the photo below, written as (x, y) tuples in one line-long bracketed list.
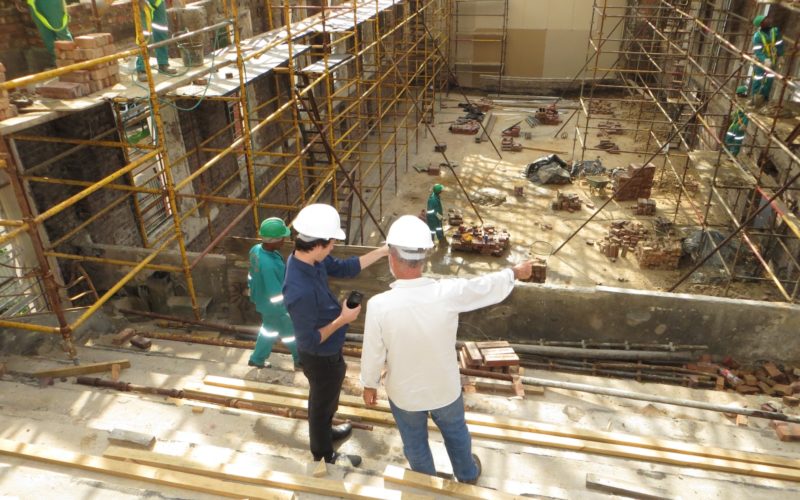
[(480, 469), (342, 431), (256, 365), (342, 459)]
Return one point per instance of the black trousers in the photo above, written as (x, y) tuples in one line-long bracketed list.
[(325, 375)]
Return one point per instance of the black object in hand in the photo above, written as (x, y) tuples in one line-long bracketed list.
[(354, 299)]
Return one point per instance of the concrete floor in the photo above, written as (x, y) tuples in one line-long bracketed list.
[(528, 218), (79, 418)]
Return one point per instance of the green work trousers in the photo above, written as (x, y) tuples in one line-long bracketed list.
[(156, 30), (53, 11)]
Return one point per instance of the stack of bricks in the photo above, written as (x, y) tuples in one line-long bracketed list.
[(645, 206), (7, 110), (622, 236), (566, 201), (665, 254), (539, 267), (636, 183), (88, 81)]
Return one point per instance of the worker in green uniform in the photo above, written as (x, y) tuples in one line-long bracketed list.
[(52, 21), (434, 215), (736, 131), (155, 29), (767, 48), (265, 280)]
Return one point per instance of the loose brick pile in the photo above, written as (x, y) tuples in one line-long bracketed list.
[(766, 378), (566, 201), (7, 110), (623, 234), (659, 254), (645, 206), (636, 183), (83, 82)]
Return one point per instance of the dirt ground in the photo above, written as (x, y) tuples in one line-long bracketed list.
[(529, 218)]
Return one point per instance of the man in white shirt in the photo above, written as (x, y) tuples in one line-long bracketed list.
[(412, 330)]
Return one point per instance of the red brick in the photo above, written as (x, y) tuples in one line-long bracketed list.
[(61, 90), (109, 49), (65, 45), (788, 432), (80, 76), (88, 41), (87, 54)]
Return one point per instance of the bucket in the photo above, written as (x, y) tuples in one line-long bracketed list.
[(191, 53)]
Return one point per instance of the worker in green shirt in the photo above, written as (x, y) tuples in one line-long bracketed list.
[(434, 215), (265, 280), (767, 48), (736, 131), (52, 21), (155, 29)]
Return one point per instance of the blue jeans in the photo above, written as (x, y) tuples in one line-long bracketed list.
[(413, 427)]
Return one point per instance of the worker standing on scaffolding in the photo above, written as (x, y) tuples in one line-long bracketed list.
[(767, 48), (736, 131), (156, 29), (52, 21)]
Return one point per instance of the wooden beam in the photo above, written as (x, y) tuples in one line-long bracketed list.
[(636, 453), (450, 489), (256, 475), (625, 488), (194, 482), (74, 371), (543, 428)]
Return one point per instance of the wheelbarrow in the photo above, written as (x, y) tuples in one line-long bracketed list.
[(597, 184)]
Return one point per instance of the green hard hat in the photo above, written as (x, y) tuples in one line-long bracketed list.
[(741, 90), (438, 188), (273, 228), (758, 20)]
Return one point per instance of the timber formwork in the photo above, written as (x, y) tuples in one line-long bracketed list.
[(321, 109), (675, 66)]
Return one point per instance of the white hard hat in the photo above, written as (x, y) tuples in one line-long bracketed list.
[(319, 221), (410, 236)]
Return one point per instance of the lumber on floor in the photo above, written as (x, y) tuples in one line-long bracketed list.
[(147, 473), (255, 475), (73, 371), (441, 486), (538, 427), (530, 437)]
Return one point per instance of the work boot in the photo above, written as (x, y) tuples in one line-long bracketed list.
[(342, 459), (141, 76), (265, 364), (480, 469), (165, 69), (342, 431)]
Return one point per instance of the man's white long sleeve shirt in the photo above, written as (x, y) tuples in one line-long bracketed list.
[(412, 330)]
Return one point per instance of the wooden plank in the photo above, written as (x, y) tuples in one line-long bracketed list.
[(474, 357), (450, 489), (256, 475), (491, 344), (500, 360), (543, 428), (625, 488), (74, 371), (194, 482), (630, 439), (497, 350), (376, 416), (633, 452)]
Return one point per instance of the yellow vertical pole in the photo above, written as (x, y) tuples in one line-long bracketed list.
[(165, 161)]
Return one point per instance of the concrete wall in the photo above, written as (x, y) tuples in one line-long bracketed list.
[(545, 39)]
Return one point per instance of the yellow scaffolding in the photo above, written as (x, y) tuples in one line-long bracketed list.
[(373, 67)]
